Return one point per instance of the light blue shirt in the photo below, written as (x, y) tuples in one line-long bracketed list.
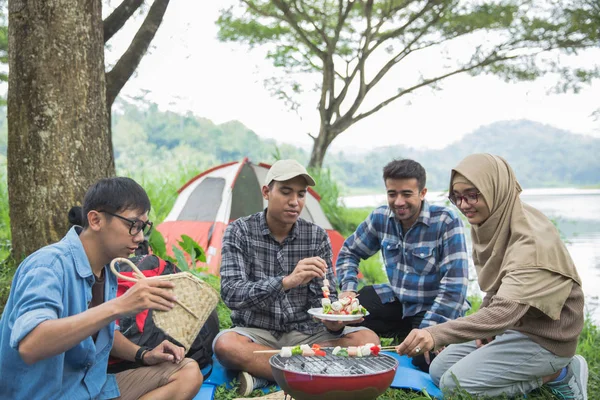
[(55, 282)]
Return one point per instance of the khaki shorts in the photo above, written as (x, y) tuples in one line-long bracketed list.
[(293, 338), (134, 383)]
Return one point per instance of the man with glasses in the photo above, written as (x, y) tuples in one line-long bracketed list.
[(58, 327), (135, 225), (425, 256)]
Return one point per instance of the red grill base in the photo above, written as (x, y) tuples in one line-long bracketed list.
[(312, 386)]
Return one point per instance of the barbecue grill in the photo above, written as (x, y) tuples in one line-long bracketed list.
[(334, 377)]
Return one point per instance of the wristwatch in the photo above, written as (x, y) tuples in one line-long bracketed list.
[(139, 355)]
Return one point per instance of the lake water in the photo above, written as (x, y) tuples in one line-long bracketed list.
[(577, 213)]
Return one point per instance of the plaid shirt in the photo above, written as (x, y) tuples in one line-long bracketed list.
[(254, 265), (427, 266)]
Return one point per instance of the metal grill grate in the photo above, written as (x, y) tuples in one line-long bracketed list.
[(331, 365)]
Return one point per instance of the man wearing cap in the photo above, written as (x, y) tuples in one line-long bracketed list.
[(272, 272)]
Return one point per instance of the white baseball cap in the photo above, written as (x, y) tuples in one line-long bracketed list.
[(284, 170)]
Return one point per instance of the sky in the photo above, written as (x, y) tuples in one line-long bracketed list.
[(188, 69)]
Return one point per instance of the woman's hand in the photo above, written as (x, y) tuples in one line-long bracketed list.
[(417, 342)]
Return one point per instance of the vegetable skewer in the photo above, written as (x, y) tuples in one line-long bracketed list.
[(299, 350)]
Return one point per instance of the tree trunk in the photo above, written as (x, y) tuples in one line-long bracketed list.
[(58, 138), (320, 146)]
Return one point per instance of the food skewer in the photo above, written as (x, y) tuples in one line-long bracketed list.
[(383, 348)]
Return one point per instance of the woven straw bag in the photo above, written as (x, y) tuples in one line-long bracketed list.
[(195, 301)]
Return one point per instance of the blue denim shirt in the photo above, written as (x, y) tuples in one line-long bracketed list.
[(55, 282)]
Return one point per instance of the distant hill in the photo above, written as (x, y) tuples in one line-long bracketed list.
[(147, 138), (541, 155)]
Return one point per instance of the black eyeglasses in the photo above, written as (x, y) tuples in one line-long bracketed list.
[(470, 198), (136, 225)]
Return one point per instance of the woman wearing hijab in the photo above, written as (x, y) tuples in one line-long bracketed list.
[(525, 333)]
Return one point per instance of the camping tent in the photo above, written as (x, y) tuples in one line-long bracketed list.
[(220, 195)]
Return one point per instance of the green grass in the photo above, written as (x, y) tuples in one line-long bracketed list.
[(475, 303), (355, 216), (589, 346), (4, 216), (373, 271), (371, 268), (7, 270), (344, 220), (7, 267)]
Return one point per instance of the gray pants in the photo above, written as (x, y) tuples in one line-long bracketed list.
[(512, 364)]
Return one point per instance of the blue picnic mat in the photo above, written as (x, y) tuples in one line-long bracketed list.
[(207, 392), (410, 377), (218, 376), (407, 377)]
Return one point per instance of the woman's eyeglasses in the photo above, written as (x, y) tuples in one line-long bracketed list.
[(471, 198), (135, 225)]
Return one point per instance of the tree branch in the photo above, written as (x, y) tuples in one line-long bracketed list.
[(342, 16), (320, 30), (360, 67), (342, 95), (390, 12), (119, 16), (489, 60), (398, 31), (327, 86), (406, 51), (260, 11), (334, 104), (290, 19), (129, 61), (310, 62)]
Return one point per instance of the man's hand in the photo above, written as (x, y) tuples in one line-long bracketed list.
[(166, 351), (306, 270), (146, 294), (347, 294), (338, 325), (418, 342)]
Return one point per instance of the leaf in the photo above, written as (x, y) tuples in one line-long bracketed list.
[(181, 261), (192, 247), (157, 244)]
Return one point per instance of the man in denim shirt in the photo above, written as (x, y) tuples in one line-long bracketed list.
[(424, 252), (58, 327)]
